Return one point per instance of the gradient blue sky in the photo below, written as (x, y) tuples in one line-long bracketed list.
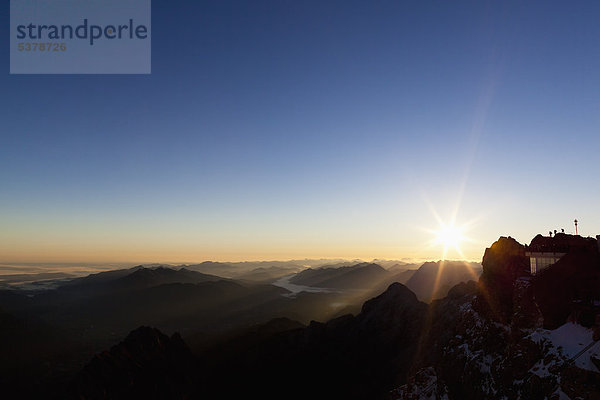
[(292, 129)]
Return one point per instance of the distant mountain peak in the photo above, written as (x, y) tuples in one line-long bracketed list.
[(396, 294)]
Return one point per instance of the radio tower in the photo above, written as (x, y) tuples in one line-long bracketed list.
[(576, 227)]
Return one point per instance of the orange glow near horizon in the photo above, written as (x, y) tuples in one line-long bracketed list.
[(131, 243), (190, 256)]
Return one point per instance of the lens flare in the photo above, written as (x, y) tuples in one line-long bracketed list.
[(450, 237)]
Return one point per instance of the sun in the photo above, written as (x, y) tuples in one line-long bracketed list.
[(450, 237), (449, 234)]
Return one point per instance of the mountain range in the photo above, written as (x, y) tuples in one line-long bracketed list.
[(453, 330), (490, 339)]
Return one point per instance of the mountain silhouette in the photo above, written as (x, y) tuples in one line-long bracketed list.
[(359, 276), (433, 280), (147, 364), (348, 357)]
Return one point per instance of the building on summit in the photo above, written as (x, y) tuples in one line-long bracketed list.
[(545, 251)]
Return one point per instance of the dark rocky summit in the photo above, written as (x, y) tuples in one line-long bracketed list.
[(503, 262), (485, 341), (147, 364)]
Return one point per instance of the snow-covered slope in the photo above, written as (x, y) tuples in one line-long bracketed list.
[(483, 359), (567, 342)]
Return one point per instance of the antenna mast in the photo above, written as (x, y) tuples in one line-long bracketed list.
[(575, 227)]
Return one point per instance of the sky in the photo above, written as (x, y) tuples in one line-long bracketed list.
[(309, 129)]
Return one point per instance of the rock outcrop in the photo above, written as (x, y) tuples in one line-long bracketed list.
[(147, 364), (475, 357), (503, 263), (488, 341)]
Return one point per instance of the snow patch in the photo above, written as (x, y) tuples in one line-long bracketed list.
[(566, 342)]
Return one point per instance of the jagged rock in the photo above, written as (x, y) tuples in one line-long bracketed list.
[(503, 263), (147, 364), (423, 385), (351, 357), (475, 357), (526, 313), (579, 383), (481, 346)]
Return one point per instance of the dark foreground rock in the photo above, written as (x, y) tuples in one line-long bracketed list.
[(147, 364)]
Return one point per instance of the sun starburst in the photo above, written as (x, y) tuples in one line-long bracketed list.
[(449, 236)]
